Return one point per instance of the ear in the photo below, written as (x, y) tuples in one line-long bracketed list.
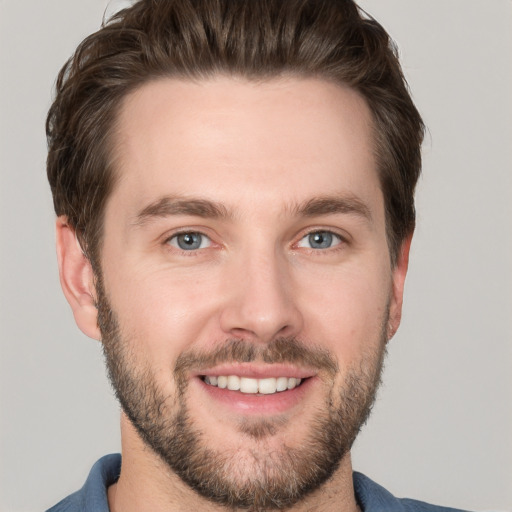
[(398, 277), (77, 279)]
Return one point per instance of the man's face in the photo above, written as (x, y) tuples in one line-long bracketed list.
[(245, 246)]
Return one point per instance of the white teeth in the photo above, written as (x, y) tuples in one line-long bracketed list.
[(248, 385), (233, 383), (266, 386), (282, 384)]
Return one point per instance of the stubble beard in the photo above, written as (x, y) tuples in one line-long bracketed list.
[(259, 479)]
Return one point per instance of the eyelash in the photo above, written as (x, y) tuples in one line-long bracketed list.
[(342, 241), (175, 235)]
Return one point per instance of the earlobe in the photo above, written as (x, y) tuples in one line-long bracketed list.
[(77, 279), (398, 275)]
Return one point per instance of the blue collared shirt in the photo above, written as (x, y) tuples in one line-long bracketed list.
[(92, 497)]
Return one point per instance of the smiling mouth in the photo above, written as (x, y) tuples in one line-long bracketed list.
[(247, 385)]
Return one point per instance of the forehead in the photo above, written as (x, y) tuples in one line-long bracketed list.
[(234, 140)]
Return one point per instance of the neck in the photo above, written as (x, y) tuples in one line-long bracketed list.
[(147, 484)]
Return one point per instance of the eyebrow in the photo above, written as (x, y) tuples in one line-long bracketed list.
[(324, 205), (348, 204), (171, 205)]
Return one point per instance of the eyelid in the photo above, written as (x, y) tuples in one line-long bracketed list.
[(343, 238), (204, 238), (166, 239), (173, 234)]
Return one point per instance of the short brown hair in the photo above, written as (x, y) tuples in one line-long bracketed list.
[(329, 39)]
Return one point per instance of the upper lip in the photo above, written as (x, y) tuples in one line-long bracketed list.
[(258, 371)]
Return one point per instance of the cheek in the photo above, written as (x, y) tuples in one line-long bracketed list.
[(163, 311), (347, 312)]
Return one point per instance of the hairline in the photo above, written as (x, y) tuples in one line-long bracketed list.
[(111, 143)]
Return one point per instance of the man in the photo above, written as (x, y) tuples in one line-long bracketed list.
[(234, 184)]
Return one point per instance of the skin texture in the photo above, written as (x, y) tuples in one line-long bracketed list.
[(265, 164)]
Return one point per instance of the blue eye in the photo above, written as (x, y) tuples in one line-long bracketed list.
[(320, 240), (190, 241)]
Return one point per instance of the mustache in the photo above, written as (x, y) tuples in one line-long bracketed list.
[(279, 350)]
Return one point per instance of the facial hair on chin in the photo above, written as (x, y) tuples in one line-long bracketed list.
[(255, 480)]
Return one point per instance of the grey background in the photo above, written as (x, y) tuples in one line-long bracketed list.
[(442, 427)]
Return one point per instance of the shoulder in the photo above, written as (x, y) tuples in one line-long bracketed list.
[(72, 503), (92, 497), (374, 498)]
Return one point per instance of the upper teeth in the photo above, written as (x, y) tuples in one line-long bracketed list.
[(248, 385)]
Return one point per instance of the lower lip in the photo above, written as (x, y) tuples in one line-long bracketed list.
[(245, 403)]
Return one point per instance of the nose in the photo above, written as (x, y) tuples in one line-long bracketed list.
[(261, 304)]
